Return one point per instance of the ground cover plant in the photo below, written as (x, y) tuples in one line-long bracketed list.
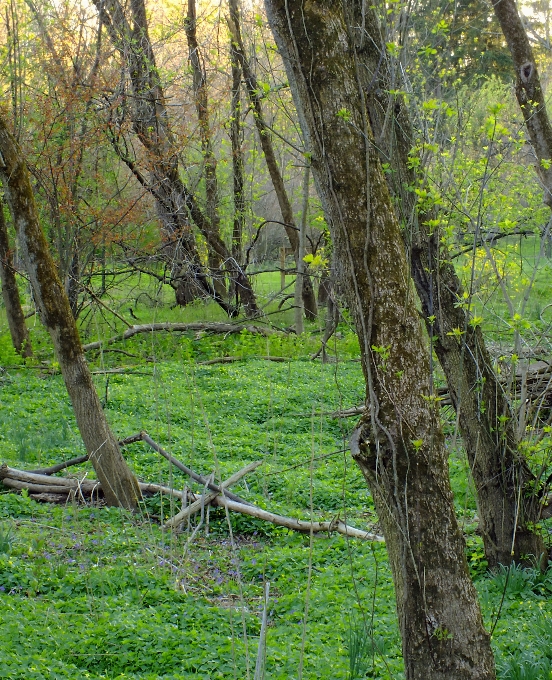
[(95, 592)]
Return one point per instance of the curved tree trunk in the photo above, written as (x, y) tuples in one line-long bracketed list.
[(16, 319), (398, 444), (507, 505), (119, 484)]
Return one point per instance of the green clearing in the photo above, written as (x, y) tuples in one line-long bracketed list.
[(96, 593)]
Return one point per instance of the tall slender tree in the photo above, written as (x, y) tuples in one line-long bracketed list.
[(265, 139), (398, 444)]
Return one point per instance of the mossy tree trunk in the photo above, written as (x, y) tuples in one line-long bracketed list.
[(10, 293), (118, 483), (507, 506), (398, 444)]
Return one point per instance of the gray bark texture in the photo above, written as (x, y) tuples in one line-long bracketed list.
[(119, 484), (507, 505), (10, 293), (398, 444)]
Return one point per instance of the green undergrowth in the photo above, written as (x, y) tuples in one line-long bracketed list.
[(91, 592)]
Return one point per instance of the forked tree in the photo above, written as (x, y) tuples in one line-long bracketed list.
[(398, 443), (119, 484)]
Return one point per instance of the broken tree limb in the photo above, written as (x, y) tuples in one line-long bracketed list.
[(302, 526), (60, 466), (188, 471), (37, 479), (147, 488), (227, 328), (60, 489), (208, 498)]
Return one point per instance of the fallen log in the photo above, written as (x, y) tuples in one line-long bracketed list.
[(60, 489), (61, 484), (224, 328), (301, 526)]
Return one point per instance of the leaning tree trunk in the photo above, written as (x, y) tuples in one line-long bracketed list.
[(16, 319), (398, 445), (507, 506), (265, 138), (118, 483)]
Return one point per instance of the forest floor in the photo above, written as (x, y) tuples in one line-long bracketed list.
[(93, 592)]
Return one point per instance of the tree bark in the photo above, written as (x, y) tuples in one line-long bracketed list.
[(529, 91), (209, 158), (507, 505), (265, 138), (150, 120), (16, 319), (398, 444), (119, 484)]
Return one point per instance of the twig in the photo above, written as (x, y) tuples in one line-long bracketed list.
[(60, 466), (183, 515), (232, 359), (299, 525), (188, 471)]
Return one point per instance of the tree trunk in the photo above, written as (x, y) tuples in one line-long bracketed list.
[(485, 418), (529, 92), (175, 203), (236, 137), (209, 158), (10, 293), (119, 484), (265, 138), (398, 444)]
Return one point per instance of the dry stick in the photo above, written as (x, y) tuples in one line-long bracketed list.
[(178, 328), (297, 524), (183, 515), (146, 487), (198, 478)]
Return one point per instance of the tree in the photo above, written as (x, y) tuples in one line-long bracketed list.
[(398, 444), (118, 482), (508, 507), (16, 319), (529, 91), (265, 138), (176, 204)]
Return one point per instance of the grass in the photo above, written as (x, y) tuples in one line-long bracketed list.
[(89, 592)]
